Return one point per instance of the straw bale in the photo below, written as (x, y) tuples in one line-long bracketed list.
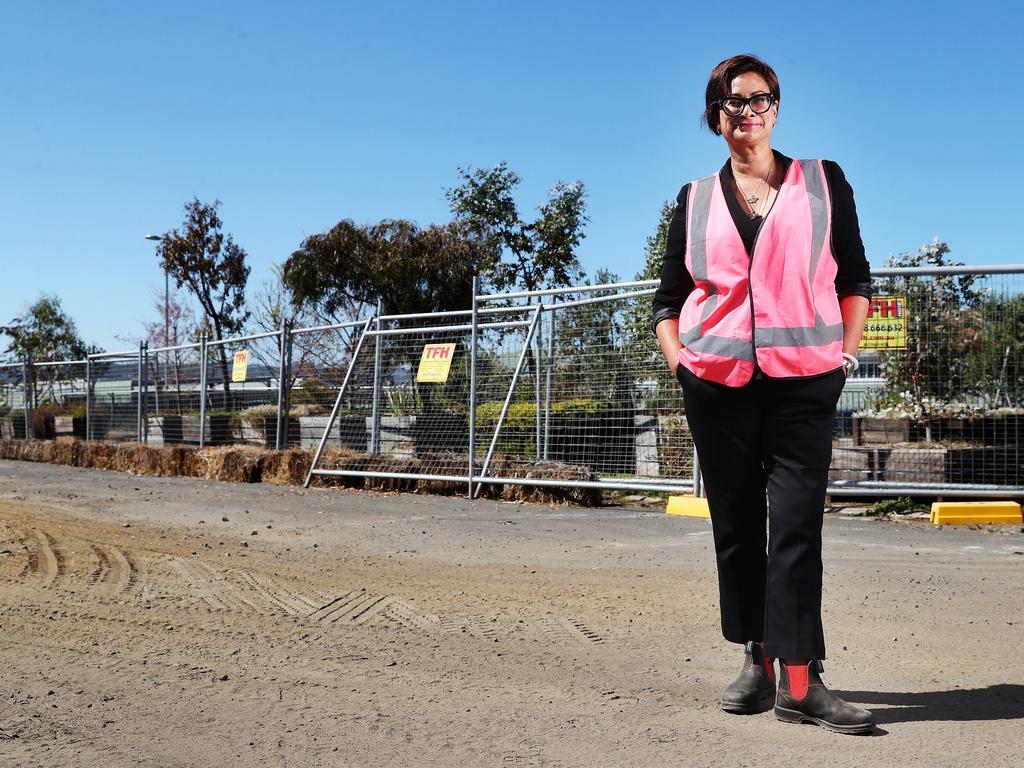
[(98, 455), (287, 467), (63, 452), (138, 459), (35, 450), (516, 467), (443, 464), (232, 463)]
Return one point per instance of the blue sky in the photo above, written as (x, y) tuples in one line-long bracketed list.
[(298, 115)]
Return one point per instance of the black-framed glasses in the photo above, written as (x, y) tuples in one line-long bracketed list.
[(759, 103)]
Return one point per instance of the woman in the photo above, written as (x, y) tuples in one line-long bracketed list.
[(764, 292)]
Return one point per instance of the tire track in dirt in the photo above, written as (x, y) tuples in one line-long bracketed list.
[(239, 590), (361, 607), (48, 563), (65, 561), (284, 600)]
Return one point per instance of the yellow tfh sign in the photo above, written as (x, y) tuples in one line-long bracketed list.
[(240, 366), (435, 362), (886, 324)]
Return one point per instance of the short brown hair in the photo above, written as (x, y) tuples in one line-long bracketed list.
[(723, 75)]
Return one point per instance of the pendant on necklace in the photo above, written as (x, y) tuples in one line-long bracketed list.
[(755, 216), (752, 200)]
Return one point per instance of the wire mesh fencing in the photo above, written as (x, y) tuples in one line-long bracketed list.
[(318, 359), (593, 401), (557, 387), (173, 396), (943, 405), (242, 390), (113, 402)]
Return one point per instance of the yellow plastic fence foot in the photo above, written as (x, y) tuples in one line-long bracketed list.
[(690, 506), (981, 512)]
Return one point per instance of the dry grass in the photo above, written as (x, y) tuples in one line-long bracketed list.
[(248, 464)]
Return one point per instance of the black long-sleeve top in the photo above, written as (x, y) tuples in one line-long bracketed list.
[(852, 279)]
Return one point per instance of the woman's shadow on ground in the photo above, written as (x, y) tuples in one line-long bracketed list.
[(1004, 701)]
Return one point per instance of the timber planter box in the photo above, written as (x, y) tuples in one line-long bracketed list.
[(861, 463), (164, 430), (262, 431), (69, 426), (440, 431), (347, 432), (874, 430), (989, 465), (994, 429), (396, 436), (218, 430)]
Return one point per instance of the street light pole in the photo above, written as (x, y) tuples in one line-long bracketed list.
[(167, 322), (167, 291)]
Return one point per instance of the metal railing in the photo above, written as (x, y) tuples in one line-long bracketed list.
[(558, 387)]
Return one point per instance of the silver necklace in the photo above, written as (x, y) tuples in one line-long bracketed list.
[(753, 199)]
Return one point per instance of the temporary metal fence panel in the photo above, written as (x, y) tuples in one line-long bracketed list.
[(112, 395), (407, 392), (595, 404), (58, 398), (174, 395), (242, 383), (319, 360)]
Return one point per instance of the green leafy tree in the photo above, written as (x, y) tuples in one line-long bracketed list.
[(591, 347), (42, 333), (642, 347), (212, 267), (995, 366), (522, 254), (411, 269)]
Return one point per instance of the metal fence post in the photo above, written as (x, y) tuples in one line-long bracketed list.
[(547, 393), (377, 354), (88, 397), (472, 388), (144, 391), (28, 393), (283, 385), (698, 481), (537, 347), (138, 399), (202, 389)]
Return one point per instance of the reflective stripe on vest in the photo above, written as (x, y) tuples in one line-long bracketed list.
[(778, 309)]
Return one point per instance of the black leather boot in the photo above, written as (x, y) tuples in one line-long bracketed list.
[(807, 700), (754, 690)]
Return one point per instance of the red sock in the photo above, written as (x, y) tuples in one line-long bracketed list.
[(797, 674)]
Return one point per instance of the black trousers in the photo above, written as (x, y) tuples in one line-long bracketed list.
[(771, 438)]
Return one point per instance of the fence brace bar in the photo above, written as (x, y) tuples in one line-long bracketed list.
[(511, 390), (337, 406)]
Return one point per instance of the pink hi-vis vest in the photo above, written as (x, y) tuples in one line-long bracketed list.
[(776, 307)]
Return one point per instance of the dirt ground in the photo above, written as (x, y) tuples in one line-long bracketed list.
[(181, 622)]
